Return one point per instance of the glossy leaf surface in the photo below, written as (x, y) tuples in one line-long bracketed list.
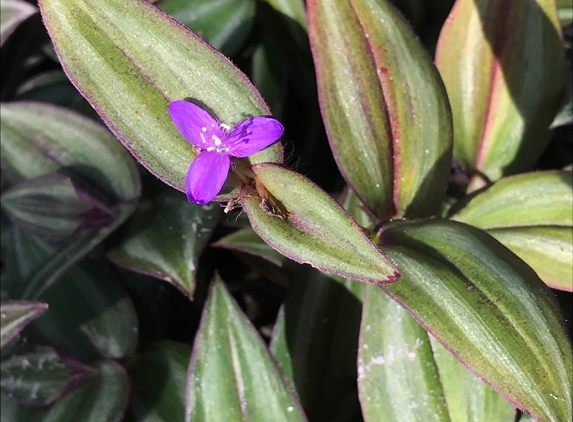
[(225, 24), (15, 315), (316, 230), (315, 343), (491, 54), (232, 375), (158, 382), (486, 307), (166, 240), (397, 376), (40, 376), (384, 106), (130, 61), (469, 399)]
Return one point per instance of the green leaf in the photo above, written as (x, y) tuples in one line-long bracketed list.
[(502, 67), (531, 215), (384, 106), (187, 227), (104, 322), (469, 399), (13, 12), (41, 376), (315, 342), (547, 250), (53, 207), (158, 379), (533, 199), (102, 399), (488, 308), (232, 376), (130, 61), (38, 139), (225, 24), (247, 241), (15, 315), (315, 230), (397, 376)]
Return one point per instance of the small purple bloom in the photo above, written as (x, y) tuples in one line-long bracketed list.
[(218, 142)]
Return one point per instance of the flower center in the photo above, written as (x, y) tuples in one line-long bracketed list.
[(215, 142)]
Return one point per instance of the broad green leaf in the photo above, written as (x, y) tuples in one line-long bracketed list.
[(247, 241), (13, 12), (104, 322), (232, 376), (469, 399), (38, 139), (15, 315), (225, 24), (130, 61), (315, 343), (488, 308), (548, 250), (531, 215), (166, 238), (53, 207), (315, 229), (502, 67), (158, 379), (532, 199), (103, 398), (41, 376), (384, 106), (397, 377)]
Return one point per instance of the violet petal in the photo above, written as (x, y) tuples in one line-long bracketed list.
[(252, 135), (195, 124), (206, 176)]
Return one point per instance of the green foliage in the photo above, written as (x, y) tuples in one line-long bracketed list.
[(430, 201)]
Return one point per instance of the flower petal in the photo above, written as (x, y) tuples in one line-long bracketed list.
[(252, 135), (192, 122), (206, 176)]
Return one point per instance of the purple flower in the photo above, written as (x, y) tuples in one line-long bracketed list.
[(218, 142)]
